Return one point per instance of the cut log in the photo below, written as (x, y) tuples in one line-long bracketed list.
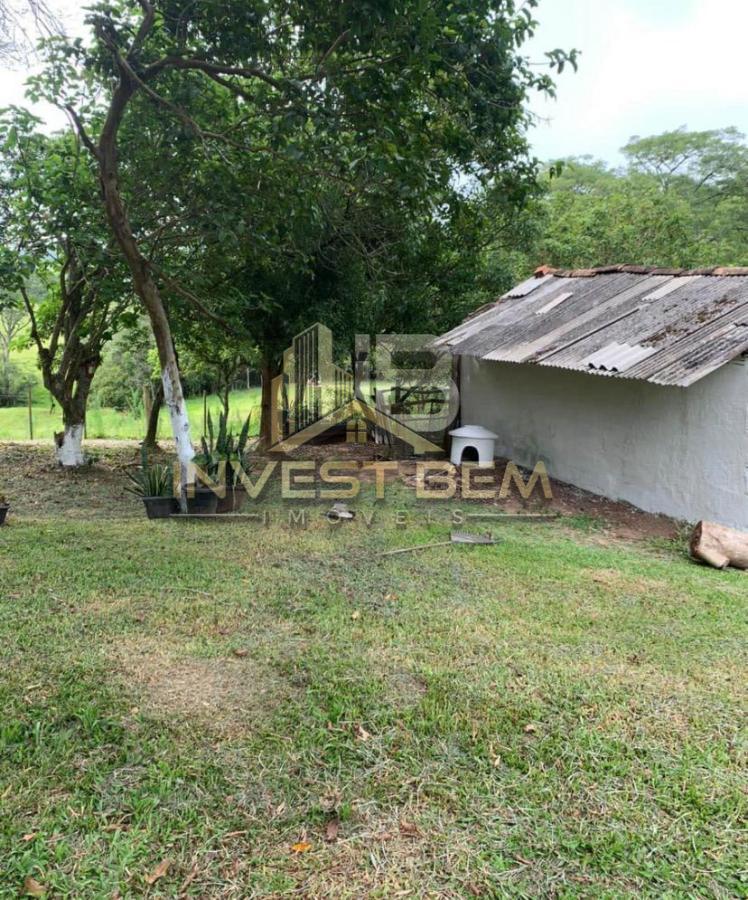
[(719, 546)]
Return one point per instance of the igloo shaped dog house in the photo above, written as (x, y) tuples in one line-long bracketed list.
[(472, 443)]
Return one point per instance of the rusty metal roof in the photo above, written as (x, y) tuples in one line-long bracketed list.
[(667, 326)]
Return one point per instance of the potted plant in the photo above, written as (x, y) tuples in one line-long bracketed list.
[(154, 484), (219, 451), (4, 507)]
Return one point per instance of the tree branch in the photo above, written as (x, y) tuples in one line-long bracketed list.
[(78, 125), (143, 30), (195, 301), (34, 327)]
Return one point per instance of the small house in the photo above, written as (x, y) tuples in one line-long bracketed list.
[(628, 381)]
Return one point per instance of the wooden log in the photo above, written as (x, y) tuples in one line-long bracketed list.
[(719, 546)]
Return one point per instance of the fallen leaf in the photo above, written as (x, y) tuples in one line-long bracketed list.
[(409, 828), (530, 728), (301, 847), (240, 652), (361, 733), (161, 869), (32, 888), (29, 837), (391, 597), (331, 831), (356, 614)]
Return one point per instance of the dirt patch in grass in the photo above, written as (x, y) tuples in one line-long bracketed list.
[(226, 694), (404, 689), (620, 582), (37, 486), (610, 519), (376, 852)]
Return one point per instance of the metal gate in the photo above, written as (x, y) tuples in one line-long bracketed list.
[(314, 386)]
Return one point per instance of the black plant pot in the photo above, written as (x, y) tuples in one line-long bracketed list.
[(204, 502), (3, 514), (160, 507)]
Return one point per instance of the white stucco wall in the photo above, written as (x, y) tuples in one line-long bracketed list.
[(679, 451)]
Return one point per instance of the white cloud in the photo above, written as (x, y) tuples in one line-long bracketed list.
[(640, 73)]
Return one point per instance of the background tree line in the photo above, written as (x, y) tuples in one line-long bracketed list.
[(679, 199)]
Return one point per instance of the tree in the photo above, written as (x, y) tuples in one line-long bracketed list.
[(361, 259), (424, 91), (680, 200), (13, 322), (694, 159), (593, 215), (57, 260), (126, 370), (708, 171)]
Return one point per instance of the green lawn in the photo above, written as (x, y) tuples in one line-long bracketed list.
[(115, 425), (280, 711)]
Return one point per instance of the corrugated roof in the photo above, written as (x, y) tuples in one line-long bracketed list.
[(667, 326)]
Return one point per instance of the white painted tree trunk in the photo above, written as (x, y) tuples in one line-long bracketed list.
[(180, 423), (70, 447), (180, 426)]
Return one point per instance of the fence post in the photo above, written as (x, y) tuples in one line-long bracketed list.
[(31, 417), (147, 403)]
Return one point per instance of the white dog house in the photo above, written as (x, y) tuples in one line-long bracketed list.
[(472, 443), (628, 381)]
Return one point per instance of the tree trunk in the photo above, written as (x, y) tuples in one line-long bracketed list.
[(719, 546), (70, 445), (143, 281), (151, 433), (73, 399), (268, 372), (224, 398)]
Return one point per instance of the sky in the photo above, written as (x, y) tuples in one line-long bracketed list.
[(646, 66)]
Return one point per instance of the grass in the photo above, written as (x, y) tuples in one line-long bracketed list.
[(279, 711), (115, 425)]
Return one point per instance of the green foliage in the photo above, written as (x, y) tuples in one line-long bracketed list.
[(151, 480), (681, 201), (222, 447), (14, 384), (126, 368), (324, 161)]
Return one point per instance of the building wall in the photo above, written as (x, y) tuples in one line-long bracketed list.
[(679, 451)]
